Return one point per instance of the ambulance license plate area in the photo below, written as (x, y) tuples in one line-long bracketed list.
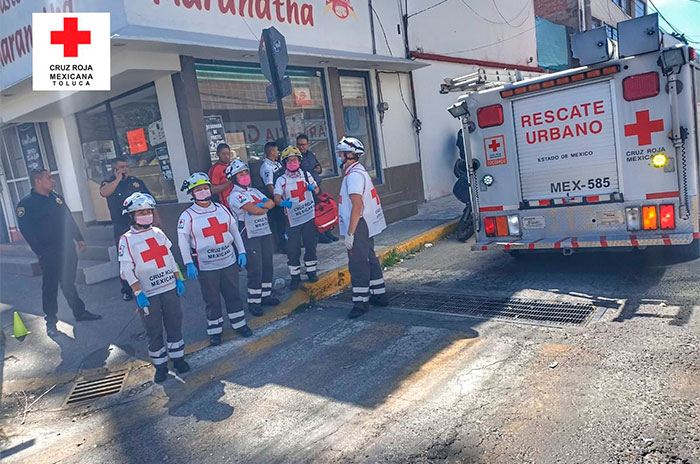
[(566, 143)]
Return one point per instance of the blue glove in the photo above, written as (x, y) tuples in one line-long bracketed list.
[(142, 300), (261, 204), (309, 187), (192, 271), (179, 287), (286, 203), (242, 260)]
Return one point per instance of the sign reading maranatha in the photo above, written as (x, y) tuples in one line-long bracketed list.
[(71, 51)]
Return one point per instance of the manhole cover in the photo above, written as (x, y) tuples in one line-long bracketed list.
[(540, 312), (91, 389)]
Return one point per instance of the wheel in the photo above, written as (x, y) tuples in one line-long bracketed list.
[(465, 229)]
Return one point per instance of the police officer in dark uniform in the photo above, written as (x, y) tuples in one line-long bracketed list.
[(116, 189), (51, 232)]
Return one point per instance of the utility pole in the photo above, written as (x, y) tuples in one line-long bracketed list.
[(587, 18)]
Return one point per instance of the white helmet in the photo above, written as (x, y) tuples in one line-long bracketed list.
[(137, 202), (234, 168), (350, 144), (198, 178)]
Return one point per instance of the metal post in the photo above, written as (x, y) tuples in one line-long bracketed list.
[(677, 140), (276, 84), (587, 15)]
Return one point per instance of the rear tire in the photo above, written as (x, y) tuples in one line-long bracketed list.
[(465, 229)]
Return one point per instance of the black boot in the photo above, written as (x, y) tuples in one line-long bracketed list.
[(161, 373), (244, 331), (255, 309), (181, 365), (270, 301), (295, 282), (87, 316), (323, 238), (358, 309), (312, 276), (379, 300), (215, 340), (51, 329)]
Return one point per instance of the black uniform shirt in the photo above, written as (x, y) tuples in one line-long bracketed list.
[(47, 224), (309, 163), (115, 202)]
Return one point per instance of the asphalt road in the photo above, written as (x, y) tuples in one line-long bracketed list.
[(405, 386)]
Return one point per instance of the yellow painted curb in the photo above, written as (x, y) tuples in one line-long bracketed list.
[(329, 282)]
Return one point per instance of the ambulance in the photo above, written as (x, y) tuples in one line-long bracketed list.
[(601, 156)]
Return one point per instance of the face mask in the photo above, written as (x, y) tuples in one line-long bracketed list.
[(340, 162), (146, 220), (202, 195), (244, 180), (293, 165)]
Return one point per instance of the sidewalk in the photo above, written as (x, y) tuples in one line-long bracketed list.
[(118, 338)]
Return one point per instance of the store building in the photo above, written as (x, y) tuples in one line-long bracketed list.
[(184, 78)]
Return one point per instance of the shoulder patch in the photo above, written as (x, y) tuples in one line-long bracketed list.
[(20, 211), (121, 251), (59, 200), (181, 224), (136, 185)]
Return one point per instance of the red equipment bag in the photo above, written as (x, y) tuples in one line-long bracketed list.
[(326, 213)]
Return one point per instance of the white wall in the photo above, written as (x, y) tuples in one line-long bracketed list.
[(608, 12), (439, 133), (453, 29), (399, 145)]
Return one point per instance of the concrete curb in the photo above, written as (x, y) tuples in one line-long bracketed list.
[(329, 282)]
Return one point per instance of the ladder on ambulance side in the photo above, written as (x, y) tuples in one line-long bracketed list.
[(600, 156)]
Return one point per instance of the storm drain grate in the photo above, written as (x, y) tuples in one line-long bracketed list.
[(513, 309), (87, 390)]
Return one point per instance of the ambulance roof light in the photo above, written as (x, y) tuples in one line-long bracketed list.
[(458, 110), (639, 35), (592, 46)]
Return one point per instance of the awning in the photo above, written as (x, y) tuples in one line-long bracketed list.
[(210, 46)]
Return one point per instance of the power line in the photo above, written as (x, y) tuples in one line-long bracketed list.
[(428, 8), (525, 6), (491, 44), (382, 28)]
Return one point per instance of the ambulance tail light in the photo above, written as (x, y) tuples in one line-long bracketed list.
[(641, 86), (667, 216), (692, 54), (650, 218), (490, 116), (634, 218), (502, 226), (490, 226)]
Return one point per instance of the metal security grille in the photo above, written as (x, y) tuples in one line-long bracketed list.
[(87, 390), (531, 311)]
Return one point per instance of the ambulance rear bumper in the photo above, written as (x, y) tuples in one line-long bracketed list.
[(589, 241)]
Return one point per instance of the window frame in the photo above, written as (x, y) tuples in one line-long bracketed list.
[(113, 126), (281, 115), (378, 168)]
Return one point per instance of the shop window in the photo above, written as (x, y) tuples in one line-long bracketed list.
[(130, 126), (640, 8), (236, 110), (358, 115)]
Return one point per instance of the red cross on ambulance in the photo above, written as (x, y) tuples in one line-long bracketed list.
[(643, 128), (495, 150)]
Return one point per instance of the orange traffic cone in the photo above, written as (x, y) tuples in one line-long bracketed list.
[(19, 329)]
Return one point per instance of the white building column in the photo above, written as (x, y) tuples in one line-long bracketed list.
[(71, 168), (173, 134)]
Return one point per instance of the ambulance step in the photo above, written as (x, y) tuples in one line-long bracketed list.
[(20, 265), (400, 210)]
